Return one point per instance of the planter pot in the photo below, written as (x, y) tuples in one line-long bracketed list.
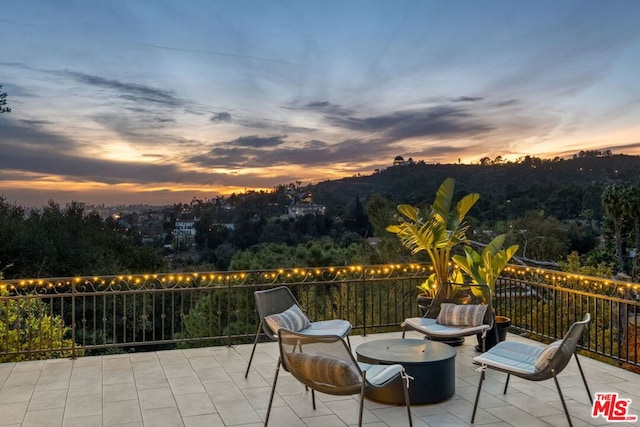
[(424, 302), (496, 334)]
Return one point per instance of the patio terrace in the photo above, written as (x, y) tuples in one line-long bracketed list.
[(206, 387)]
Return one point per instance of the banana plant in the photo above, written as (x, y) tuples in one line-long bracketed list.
[(438, 230), (485, 267)]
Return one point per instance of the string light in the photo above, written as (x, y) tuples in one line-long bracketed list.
[(538, 275)]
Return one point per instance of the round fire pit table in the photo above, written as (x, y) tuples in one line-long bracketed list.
[(430, 363)]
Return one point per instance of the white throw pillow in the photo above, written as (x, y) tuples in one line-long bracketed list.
[(544, 358), (461, 314), (292, 319)]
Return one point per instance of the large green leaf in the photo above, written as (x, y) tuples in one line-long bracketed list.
[(442, 204), (411, 212)]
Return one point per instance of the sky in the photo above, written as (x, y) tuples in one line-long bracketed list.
[(160, 101)]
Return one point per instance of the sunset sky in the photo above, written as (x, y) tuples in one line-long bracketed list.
[(157, 102)]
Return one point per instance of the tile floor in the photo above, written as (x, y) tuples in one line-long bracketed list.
[(206, 387)]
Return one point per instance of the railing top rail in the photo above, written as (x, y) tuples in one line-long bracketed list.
[(610, 287), (217, 278)]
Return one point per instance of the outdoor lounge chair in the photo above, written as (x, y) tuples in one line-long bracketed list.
[(325, 363), (277, 307), (456, 311), (534, 363)]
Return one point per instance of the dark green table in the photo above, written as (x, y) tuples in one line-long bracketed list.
[(430, 363)]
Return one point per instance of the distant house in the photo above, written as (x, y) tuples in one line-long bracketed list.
[(300, 210), (185, 228), (184, 232)]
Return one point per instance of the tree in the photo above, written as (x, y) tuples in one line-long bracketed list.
[(632, 210), (3, 102), (67, 242), (614, 206), (540, 237)]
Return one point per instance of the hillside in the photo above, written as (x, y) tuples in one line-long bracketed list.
[(565, 188)]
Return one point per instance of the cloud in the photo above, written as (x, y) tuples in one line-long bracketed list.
[(324, 107), (440, 121), (467, 99), (32, 149), (443, 151), (622, 147), (257, 141), (272, 125), (318, 104), (79, 168), (220, 53), (315, 144), (507, 103), (256, 152), (31, 136), (221, 117), (129, 91)]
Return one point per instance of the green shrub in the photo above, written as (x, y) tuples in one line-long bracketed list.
[(28, 331)]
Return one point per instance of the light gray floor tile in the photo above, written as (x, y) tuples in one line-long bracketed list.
[(43, 418), (93, 421), (83, 406), (195, 404), (118, 392), (238, 412), (162, 417), (209, 420), (48, 399), (11, 394), (121, 412), (186, 385), (156, 398), (12, 413)]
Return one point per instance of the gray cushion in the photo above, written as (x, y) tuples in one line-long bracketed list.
[(292, 319), (461, 314), (379, 375), (328, 327), (432, 328), (512, 356)]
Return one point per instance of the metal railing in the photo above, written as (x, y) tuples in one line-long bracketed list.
[(69, 317)]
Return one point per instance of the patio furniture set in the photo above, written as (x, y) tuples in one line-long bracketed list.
[(319, 355)]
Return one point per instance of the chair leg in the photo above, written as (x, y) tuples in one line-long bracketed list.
[(564, 405), (348, 342), (506, 384), (584, 379), (255, 344), (475, 404), (405, 385), (273, 392), (364, 381), (313, 398)]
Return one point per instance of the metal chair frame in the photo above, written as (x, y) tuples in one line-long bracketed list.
[(276, 300), (332, 348), (560, 359)]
